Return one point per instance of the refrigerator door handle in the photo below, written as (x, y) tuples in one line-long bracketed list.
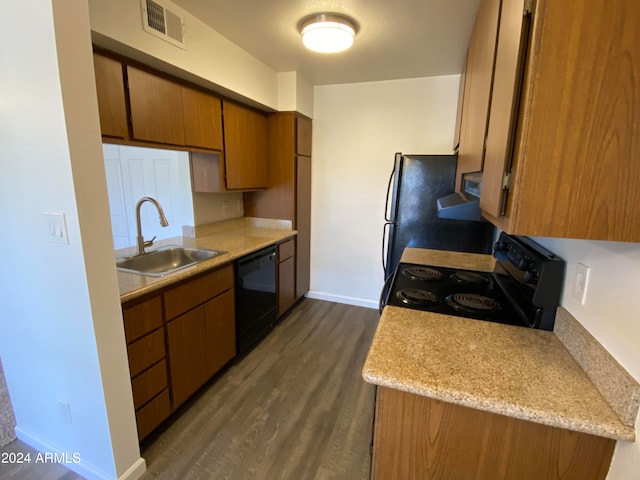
[(387, 213), (385, 246)]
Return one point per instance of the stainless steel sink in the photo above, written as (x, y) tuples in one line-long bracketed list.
[(164, 260)]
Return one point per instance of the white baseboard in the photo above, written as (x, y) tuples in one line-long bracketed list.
[(82, 468), (358, 302), (135, 471)]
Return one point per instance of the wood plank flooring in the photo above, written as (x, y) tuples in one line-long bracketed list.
[(295, 407)]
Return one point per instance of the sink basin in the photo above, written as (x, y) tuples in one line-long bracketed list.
[(164, 260)]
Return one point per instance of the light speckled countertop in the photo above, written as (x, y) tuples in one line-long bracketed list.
[(513, 371), (236, 238)]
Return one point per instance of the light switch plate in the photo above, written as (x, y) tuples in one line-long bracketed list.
[(56, 227)]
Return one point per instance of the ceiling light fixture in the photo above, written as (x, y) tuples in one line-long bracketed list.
[(327, 32)]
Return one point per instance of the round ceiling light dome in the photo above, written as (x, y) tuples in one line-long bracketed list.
[(328, 32)]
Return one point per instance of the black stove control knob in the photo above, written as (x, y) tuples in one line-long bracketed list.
[(524, 263), (531, 276), (501, 246)]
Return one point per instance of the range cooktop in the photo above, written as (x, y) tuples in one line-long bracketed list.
[(524, 288)]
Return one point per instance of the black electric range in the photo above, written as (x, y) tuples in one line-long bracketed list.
[(524, 288)]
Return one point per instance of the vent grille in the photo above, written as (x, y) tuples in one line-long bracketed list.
[(155, 16), (163, 23), (174, 26)]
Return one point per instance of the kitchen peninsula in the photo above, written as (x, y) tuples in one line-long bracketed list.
[(489, 400)]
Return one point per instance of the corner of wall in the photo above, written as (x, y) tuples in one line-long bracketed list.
[(295, 94)]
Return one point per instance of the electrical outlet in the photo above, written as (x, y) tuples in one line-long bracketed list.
[(581, 282)]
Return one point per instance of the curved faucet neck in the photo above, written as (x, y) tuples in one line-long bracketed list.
[(163, 222)]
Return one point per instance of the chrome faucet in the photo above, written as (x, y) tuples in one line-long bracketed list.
[(163, 221)]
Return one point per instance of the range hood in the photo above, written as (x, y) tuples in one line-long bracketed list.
[(460, 206), (463, 205)]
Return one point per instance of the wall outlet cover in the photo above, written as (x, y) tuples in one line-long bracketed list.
[(581, 282)]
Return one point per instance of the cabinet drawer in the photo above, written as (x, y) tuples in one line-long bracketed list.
[(189, 295), (286, 250), (142, 318), (152, 414), (149, 383), (145, 352)]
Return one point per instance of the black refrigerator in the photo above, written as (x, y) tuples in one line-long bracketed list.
[(411, 213)]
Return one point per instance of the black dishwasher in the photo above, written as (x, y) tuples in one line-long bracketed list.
[(255, 297)]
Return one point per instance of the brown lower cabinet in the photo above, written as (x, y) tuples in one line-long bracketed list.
[(286, 276), (176, 341), (417, 437), (200, 343)]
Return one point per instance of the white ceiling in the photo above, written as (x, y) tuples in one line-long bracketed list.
[(396, 38)]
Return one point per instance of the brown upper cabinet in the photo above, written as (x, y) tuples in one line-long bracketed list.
[(477, 78), (288, 196), (202, 119), (164, 111), (111, 96), (245, 147), (140, 107), (156, 108), (562, 150)]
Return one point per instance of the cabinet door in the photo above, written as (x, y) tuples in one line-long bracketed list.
[(245, 147), (202, 119), (505, 100), (286, 284), (303, 224), (577, 164), (462, 88), (478, 78), (219, 332), (419, 437), (186, 354), (111, 99), (156, 108), (278, 200), (303, 136), (207, 173)]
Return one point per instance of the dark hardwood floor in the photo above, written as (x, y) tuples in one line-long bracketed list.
[(295, 407)]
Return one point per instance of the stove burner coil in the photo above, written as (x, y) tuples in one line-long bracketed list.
[(473, 303), (470, 278), (422, 273), (416, 296)]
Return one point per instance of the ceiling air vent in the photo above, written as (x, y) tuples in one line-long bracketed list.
[(163, 23)]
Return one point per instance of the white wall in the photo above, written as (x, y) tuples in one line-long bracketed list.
[(62, 339), (209, 59), (208, 56), (611, 314), (357, 129)]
